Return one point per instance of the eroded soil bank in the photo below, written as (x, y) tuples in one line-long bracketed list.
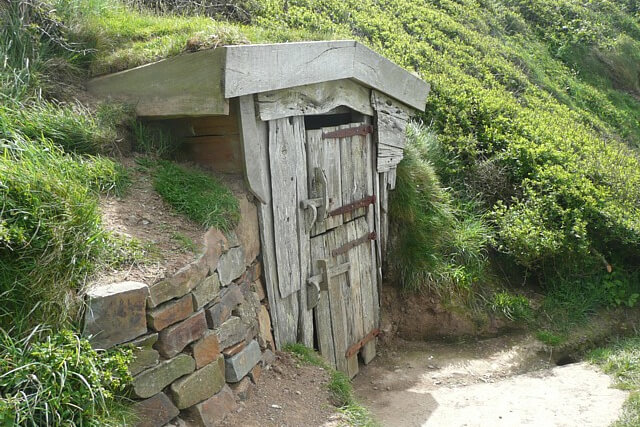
[(503, 381)]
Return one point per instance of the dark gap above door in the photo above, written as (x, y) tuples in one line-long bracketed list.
[(328, 120)]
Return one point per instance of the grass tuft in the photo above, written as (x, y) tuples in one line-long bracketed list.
[(197, 195)]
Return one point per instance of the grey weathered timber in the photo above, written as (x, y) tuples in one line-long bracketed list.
[(286, 152), (324, 154), (384, 219), (185, 85), (391, 125), (320, 250), (261, 68), (284, 311), (316, 98), (255, 151)]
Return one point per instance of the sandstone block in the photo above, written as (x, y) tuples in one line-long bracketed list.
[(268, 357), (155, 411), (247, 230), (255, 271), (175, 338), (217, 315), (153, 380), (232, 296), (200, 385), (206, 291), (179, 284), (143, 358), (243, 389), (234, 349), (213, 410), (231, 332), (255, 373), (206, 349), (232, 240), (170, 312), (258, 288), (115, 313), (146, 341), (215, 244), (231, 265), (264, 324), (236, 367)]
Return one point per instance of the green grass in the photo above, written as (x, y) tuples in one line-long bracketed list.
[(198, 195), (622, 361), (186, 242), (339, 386)]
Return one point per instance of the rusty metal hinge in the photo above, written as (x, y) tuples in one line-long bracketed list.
[(344, 133), (362, 203), (357, 346), (352, 244)]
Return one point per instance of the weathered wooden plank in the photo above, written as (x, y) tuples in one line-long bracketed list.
[(318, 98), (222, 153), (347, 169), (267, 67), (391, 179), (386, 104), (255, 151), (305, 318), (325, 154), (368, 289), (376, 264), (384, 219), (338, 314), (286, 139), (185, 85), (283, 312), (322, 313), (359, 264)]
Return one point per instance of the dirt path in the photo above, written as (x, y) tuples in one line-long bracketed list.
[(501, 381)]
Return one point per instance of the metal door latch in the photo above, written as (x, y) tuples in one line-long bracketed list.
[(319, 205), (322, 281)]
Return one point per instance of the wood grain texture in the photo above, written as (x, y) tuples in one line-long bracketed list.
[(286, 151), (255, 151), (322, 313), (319, 98), (185, 85)]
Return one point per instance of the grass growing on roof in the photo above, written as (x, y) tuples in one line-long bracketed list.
[(339, 386), (197, 195)]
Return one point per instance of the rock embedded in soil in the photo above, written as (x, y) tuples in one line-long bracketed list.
[(115, 313), (238, 366), (243, 389), (175, 338), (265, 337), (213, 410), (170, 312), (200, 385), (155, 411), (231, 265), (152, 381), (215, 244)]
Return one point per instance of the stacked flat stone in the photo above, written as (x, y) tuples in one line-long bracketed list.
[(195, 332)]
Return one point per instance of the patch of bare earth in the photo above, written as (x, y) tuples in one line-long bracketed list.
[(145, 216), (288, 393)]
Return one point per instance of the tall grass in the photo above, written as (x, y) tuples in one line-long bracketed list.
[(435, 243)]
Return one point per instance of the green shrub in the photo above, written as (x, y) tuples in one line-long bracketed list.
[(58, 379), (513, 307), (197, 195), (51, 235)]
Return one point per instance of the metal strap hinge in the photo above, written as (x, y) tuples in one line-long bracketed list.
[(357, 346)]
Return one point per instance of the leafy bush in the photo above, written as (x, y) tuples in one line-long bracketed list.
[(58, 379), (513, 307), (198, 195)]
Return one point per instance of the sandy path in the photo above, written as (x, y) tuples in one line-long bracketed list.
[(495, 382)]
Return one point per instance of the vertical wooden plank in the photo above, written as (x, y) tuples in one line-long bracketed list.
[(338, 313), (347, 167), (286, 137), (368, 285), (305, 319), (384, 220), (284, 311), (325, 154), (254, 151), (322, 312)]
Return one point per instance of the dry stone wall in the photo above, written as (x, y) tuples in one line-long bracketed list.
[(202, 335)]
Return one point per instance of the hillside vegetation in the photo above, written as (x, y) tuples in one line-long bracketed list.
[(524, 170)]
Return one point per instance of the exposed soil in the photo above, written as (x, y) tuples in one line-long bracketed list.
[(144, 215), (502, 381), (288, 394)]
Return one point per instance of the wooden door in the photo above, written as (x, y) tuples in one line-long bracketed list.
[(342, 262)]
